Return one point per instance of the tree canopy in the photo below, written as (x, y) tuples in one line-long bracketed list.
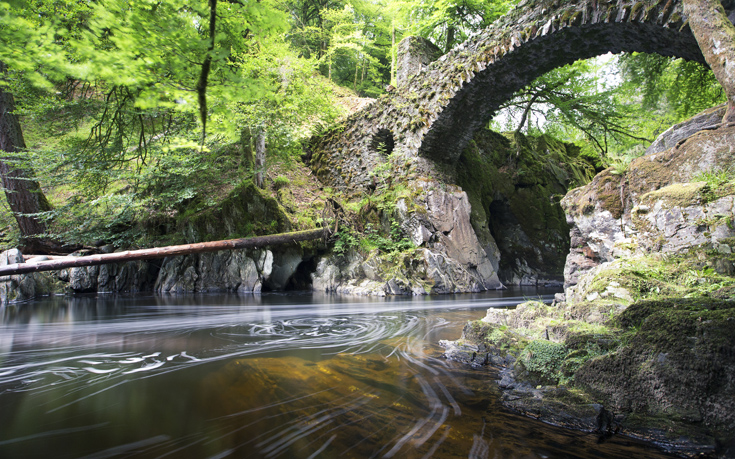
[(129, 106)]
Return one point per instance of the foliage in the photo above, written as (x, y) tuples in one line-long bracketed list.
[(112, 99), (351, 41), (684, 87), (448, 22), (543, 359), (572, 103), (345, 241), (715, 177)]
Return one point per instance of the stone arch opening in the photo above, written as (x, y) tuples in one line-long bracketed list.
[(383, 142), (474, 103)]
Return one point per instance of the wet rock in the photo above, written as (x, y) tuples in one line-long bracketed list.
[(284, 266), (227, 271)]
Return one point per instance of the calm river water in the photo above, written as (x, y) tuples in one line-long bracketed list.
[(292, 376)]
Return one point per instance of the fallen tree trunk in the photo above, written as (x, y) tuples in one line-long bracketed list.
[(162, 252)]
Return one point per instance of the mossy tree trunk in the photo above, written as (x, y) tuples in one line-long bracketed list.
[(260, 158), (715, 35), (25, 197)]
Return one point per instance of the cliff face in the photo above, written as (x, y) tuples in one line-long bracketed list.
[(514, 184)]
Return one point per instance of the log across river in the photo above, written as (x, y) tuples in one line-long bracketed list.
[(162, 252)]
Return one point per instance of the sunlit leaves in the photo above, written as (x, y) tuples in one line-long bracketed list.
[(448, 22)]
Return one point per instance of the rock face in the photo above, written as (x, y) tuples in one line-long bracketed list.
[(679, 365), (22, 287), (708, 119), (641, 342), (653, 206), (242, 271), (447, 258), (514, 183), (502, 226)]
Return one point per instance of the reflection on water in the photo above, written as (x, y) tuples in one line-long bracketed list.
[(260, 376)]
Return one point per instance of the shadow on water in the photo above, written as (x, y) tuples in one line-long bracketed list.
[(277, 375)]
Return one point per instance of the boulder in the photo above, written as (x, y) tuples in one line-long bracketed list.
[(669, 138)]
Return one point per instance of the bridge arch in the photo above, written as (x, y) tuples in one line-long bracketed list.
[(538, 37)]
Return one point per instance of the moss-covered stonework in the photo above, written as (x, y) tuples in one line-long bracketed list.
[(412, 55), (514, 184)]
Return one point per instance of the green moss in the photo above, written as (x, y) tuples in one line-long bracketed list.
[(678, 194), (518, 176), (246, 211), (635, 10), (543, 360), (608, 193), (675, 19)]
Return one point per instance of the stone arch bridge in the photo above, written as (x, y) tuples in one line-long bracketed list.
[(416, 134), (433, 116)]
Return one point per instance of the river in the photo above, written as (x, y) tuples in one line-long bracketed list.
[(274, 375)]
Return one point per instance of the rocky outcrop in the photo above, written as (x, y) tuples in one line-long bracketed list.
[(447, 256), (647, 371), (653, 206), (241, 271), (678, 366), (643, 331), (23, 287), (514, 183), (709, 119)]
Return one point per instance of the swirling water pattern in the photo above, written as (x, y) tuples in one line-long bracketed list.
[(268, 376)]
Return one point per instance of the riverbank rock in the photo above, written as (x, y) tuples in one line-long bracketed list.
[(644, 329), (22, 287), (666, 202), (514, 183), (242, 271)]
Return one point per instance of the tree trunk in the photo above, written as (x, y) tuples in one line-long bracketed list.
[(201, 87), (24, 194), (393, 53), (162, 252), (260, 158), (450, 39), (715, 35)]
